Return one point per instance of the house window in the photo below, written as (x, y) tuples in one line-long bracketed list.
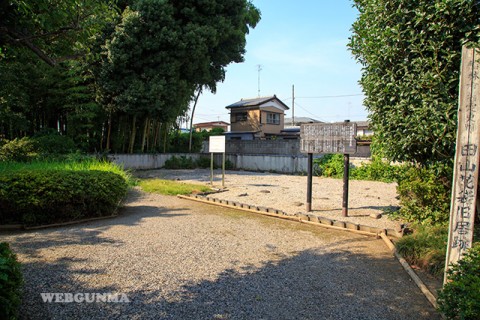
[(240, 116), (273, 118)]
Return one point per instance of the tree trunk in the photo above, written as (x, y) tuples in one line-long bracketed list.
[(156, 127), (145, 131), (191, 120), (165, 138), (132, 134), (109, 132)]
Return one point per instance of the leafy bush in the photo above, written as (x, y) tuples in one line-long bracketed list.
[(460, 297), (410, 94), (10, 283), (378, 170), (425, 194), (52, 143), (23, 150), (203, 162), (178, 142), (47, 145), (425, 248), (330, 165), (229, 165), (35, 197), (181, 162)]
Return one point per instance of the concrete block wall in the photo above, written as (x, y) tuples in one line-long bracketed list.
[(273, 147), (148, 161), (277, 163)]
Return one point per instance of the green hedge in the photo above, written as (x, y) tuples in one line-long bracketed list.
[(36, 197), (10, 283), (460, 297), (332, 165), (425, 194)]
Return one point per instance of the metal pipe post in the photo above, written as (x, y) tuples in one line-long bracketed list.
[(309, 182)]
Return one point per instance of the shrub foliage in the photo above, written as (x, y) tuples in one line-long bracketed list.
[(410, 52), (35, 197), (460, 297), (425, 194), (10, 283), (21, 150), (331, 165)]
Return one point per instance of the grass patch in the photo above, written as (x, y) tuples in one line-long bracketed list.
[(426, 248), (171, 188), (85, 164)]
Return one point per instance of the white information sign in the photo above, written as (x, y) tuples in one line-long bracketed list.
[(216, 144)]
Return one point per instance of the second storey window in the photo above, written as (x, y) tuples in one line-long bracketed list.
[(240, 116), (273, 118)]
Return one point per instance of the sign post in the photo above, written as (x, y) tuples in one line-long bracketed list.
[(216, 144), (328, 138), (466, 164), (309, 182)]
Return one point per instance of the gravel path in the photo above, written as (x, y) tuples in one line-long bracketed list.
[(288, 193), (177, 259)]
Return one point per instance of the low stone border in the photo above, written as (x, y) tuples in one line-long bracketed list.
[(301, 217), (12, 227), (426, 292)]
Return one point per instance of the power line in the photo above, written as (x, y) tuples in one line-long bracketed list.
[(329, 97), (319, 118)]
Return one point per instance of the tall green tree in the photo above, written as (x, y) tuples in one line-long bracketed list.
[(160, 53), (54, 31), (410, 54)]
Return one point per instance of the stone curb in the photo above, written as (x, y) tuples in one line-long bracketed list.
[(15, 227), (426, 292), (299, 217)]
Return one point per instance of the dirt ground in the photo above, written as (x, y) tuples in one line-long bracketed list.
[(289, 192)]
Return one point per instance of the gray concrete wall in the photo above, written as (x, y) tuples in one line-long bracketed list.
[(277, 147), (285, 164), (277, 163), (273, 147), (147, 161)]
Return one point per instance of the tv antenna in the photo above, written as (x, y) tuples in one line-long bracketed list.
[(259, 68)]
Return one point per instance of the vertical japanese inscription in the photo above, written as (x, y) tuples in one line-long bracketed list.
[(328, 138), (465, 177)]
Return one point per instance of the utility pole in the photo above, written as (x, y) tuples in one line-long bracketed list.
[(259, 68), (293, 105)]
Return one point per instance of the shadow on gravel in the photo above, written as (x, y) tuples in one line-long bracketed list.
[(338, 285), (308, 286), (88, 233)]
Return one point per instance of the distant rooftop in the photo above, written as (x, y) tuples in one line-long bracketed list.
[(253, 102), (213, 123), (300, 120), (362, 123)]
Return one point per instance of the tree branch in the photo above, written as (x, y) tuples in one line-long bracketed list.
[(17, 37)]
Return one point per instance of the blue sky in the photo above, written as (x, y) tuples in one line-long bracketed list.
[(301, 43)]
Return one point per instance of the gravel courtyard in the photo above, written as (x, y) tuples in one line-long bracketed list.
[(289, 193), (177, 259)]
